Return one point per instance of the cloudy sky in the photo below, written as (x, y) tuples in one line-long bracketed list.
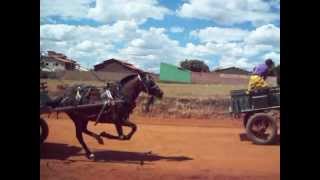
[(222, 33)]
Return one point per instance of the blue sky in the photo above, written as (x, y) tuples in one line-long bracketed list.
[(145, 33)]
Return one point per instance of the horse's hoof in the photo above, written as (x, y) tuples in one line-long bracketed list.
[(122, 137), (91, 156)]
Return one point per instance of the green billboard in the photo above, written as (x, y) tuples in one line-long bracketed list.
[(171, 73)]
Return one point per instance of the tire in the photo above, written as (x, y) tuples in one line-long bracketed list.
[(44, 130), (257, 127), (245, 119)]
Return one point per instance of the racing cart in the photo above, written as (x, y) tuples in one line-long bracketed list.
[(45, 108), (260, 110)]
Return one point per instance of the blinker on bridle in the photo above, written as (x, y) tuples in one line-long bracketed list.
[(144, 85)]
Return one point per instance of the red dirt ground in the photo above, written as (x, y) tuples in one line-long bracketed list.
[(180, 149)]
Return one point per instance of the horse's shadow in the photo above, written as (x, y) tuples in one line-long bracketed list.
[(63, 152), (58, 151), (135, 157)]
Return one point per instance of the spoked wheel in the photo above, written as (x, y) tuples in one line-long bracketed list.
[(262, 129), (44, 130)]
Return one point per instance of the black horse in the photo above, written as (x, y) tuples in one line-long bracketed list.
[(129, 89)]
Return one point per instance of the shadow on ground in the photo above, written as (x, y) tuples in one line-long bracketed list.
[(63, 152), (243, 137), (58, 151)]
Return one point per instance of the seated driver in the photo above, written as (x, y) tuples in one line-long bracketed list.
[(260, 74)]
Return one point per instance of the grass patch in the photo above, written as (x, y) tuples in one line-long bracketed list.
[(198, 90)]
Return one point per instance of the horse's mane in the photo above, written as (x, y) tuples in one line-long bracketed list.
[(127, 78)]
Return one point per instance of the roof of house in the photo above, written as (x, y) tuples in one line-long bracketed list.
[(123, 63), (60, 57)]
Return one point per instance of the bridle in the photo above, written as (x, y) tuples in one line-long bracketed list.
[(145, 86), (143, 83)]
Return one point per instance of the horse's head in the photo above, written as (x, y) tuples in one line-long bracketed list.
[(149, 85)]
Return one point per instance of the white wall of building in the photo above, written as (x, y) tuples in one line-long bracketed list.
[(52, 65)]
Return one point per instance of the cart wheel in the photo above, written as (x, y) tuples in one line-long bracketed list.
[(261, 129), (44, 130), (245, 118)]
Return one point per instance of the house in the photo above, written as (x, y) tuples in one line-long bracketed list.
[(53, 61), (232, 70), (114, 65)]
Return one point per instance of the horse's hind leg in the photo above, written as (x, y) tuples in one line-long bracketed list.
[(79, 124), (79, 131), (119, 131), (132, 126)]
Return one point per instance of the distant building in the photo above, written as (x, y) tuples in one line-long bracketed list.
[(114, 65), (172, 73), (233, 70), (53, 61)]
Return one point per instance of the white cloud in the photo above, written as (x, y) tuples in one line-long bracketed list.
[(152, 47), (85, 43), (274, 56), (275, 3), (234, 62), (255, 50), (176, 29), (228, 12), (147, 48), (119, 31), (89, 45), (138, 10), (105, 11), (236, 47), (219, 35), (63, 8), (267, 34)]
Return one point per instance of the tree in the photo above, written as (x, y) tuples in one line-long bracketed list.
[(194, 65)]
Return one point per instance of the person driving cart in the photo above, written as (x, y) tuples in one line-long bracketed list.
[(260, 74)]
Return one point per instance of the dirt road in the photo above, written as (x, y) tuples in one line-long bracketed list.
[(178, 149)]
